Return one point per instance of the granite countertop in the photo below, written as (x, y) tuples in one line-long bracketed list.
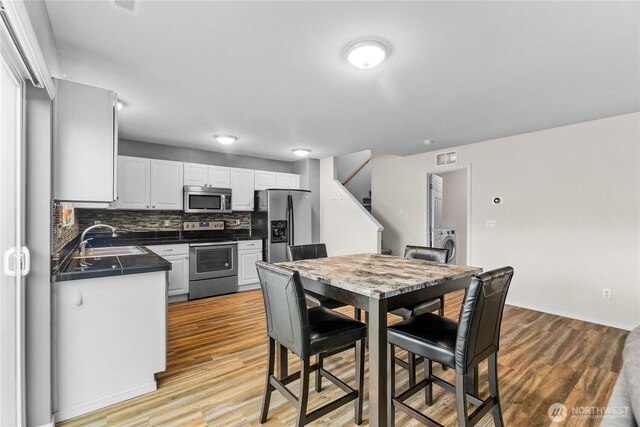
[(378, 276), (107, 266)]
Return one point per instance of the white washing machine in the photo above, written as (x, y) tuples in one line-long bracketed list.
[(446, 238)]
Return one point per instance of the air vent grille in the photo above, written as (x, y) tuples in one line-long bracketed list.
[(448, 158), (131, 6)]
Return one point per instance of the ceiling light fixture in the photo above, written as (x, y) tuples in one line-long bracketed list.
[(366, 54), (225, 139), (119, 104), (301, 152)]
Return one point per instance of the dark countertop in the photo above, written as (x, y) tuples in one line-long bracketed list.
[(70, 269), (112, 266)]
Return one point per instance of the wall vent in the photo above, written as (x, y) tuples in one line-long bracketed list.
[(448, 158), (131, 6)]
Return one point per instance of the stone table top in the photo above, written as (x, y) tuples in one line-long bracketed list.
[(378, 276)]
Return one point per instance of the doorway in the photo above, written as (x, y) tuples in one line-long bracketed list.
[(449, 213)]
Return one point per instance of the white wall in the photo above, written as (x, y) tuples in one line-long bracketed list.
[(360, 184), (345, 226), (454, 209), (569, 225)]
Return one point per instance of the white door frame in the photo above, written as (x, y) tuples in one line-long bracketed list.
[(444, 169)]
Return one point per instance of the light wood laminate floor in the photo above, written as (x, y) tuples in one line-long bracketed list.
[(217, 356)]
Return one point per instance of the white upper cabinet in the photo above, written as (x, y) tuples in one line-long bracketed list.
[(219, 176), (265, 179), (149, 184), (166, 185), (85, 144), (242, 187), (205, 175), (287, 180), (133, 183), (195, 174)]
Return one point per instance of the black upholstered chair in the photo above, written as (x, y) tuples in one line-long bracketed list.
[(426, 254), (313, 251), (461, 345), (306, 332)]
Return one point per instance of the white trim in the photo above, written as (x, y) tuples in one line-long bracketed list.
[(93, 405), (445, 169), (51, 423), (562, 313), (249, 287), (28, 44)]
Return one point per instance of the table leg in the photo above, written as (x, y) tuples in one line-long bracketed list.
[(377, 333), (283, 365)]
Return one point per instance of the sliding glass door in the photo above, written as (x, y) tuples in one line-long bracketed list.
[(15, 258)]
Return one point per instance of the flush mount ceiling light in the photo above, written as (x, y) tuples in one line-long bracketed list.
[(119, 104), (225, 139), (366, 54), (301, 152)]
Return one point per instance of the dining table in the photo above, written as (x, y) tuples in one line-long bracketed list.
[(377, 284)]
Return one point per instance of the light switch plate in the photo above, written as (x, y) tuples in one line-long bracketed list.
[(490, 223)]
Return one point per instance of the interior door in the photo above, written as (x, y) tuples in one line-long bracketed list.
[(15, 257), (436, 187)]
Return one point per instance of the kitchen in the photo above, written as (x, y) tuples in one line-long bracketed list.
[(155, 172)]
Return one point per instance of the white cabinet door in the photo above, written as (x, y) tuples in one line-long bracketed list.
[(242, 187), (219, 176), (133, 183), (179, 274), (247, 273), (287, 180), (166, 185), (264, 180), (195, 174)]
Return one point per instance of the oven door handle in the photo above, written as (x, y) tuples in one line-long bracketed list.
[(198, 245)]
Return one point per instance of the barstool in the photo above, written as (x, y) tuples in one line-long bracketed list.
[(426, 254), (461, 345), (306, 332)]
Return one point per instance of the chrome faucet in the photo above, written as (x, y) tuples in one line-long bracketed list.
[(83, 243)]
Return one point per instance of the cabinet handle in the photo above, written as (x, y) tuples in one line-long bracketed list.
[(147, 205), (154, 206), (78, 301)]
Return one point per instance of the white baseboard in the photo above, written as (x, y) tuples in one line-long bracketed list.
[(65, 414), (617, 325), (249, 287), (51, 423)]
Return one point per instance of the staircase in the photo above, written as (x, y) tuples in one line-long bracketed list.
[(366, 202)]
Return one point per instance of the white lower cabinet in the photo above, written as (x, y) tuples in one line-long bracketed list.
[(110, 340), (178, 256), (249, 252)]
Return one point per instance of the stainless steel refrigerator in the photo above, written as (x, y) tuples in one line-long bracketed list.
[(281, 218)]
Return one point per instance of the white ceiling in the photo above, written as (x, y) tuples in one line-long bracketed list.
[(275, 74)]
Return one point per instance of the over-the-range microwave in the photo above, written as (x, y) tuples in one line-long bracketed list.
[(207, 199)]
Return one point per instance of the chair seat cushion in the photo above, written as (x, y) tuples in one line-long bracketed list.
[(330, 330), (428, 335), (315, 300), (417, 309)]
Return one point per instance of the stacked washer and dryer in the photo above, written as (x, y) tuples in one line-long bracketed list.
[(440, 237)]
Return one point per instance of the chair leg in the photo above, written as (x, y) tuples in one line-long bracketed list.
[(461, 400), (428, 373), (320, 360), (359, 381), (268, 388), (391, 384), (304, 393), (411, 362), (496, 411), (357, 314)]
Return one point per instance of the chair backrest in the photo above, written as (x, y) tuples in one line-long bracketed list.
[(481, 317), (300, 252), (285, 307), (427, 253)]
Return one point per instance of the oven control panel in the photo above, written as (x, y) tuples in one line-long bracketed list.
[(202, 225)]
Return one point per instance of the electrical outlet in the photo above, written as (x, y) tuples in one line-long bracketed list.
[(97, 222), (606, 293), (167, 223)]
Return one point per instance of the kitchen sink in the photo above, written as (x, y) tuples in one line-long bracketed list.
[(110, 251)]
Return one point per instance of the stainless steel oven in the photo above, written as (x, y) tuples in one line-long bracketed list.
[(206, 199), (213, 269)]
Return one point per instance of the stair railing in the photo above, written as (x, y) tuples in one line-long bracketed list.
[(356, 171)]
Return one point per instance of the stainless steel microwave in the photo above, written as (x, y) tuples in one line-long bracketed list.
[(207, 199)]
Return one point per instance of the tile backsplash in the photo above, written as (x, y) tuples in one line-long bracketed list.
[(61, 235), (134, 220)]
